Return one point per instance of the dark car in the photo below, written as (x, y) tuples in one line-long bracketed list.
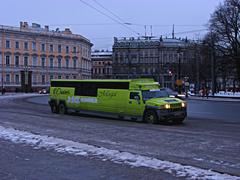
[(174, 94)]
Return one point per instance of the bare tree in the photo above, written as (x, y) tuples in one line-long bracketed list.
[(225, 24)]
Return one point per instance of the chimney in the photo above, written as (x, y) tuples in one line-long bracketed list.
[(67, 31), (25, 24), (46, 28), (21, 24)]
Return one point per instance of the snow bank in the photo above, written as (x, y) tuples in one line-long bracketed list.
[(16, 95), (81, 149), (227, 94)]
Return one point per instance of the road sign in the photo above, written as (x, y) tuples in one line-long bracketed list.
[(179, 82)]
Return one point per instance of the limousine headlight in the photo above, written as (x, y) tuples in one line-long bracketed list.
[(183, 104), (167, 106)]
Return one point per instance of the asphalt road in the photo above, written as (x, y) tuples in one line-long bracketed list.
[(209, 139)]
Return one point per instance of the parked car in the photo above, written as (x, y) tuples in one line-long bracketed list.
[(42, 91), (174, 94)]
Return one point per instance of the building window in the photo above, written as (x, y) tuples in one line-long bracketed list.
[(17, 79), (51, 77), (59, 48), (51, 48), (74, 63), (25, 45), (7, 60), (67, 63), (17, 45), (7, 44), (74, 77), (59, 62), (43, 79), (67, 77), (43, 47), (34, 79), (8, 78), (67, 49), (34, 60), (51, 62), (43, 62), (34, 48), (74, 49), (25, 61), (16, 60), (59, 77)]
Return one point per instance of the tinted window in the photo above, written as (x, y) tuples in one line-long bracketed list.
[(90, 88), (134, 94), (148, 94)]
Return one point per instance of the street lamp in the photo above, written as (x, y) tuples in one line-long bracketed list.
[(179, 82), (26, 72), (2, 60)]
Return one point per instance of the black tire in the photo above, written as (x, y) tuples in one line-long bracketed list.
[(54, 108), (62, 108), (150, 116), (179, 121)]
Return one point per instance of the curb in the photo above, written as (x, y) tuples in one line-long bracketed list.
[(217, 99)]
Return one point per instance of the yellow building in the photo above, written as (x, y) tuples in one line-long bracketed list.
[(31, 55)]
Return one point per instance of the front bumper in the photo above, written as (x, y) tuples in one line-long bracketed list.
[(172, 114)]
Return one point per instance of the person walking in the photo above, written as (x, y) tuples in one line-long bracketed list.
[(207, 92)]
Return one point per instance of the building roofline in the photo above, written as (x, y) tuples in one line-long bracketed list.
[(44, 32)]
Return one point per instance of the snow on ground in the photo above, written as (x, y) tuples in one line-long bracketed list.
[(81, 149), (10, 96), (220, 94), (227, 94)]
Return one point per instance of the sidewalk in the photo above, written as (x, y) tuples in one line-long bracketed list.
[(214, 98), (16, 95)]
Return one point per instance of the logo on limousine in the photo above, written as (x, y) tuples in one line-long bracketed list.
[(59, 91), (107, 94)]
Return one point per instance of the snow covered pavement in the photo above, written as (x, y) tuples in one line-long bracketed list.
[(10, 96), (135, 160)]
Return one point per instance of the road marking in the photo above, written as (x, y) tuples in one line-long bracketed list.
[(81, 149)]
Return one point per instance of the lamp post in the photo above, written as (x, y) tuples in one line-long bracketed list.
[(2, 74), (179, 82), (2, 79), (26, 78), (2, 59)]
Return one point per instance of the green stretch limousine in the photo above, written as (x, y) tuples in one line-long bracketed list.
[(136, 99)]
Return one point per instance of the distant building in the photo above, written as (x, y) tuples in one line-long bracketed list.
[(30, 56), (164, 59), (101, 64)]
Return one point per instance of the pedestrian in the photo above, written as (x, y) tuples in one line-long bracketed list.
[(203, 92), (3, 91), (207, 92)]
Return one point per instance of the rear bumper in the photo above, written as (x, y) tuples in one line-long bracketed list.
[(172, 114)]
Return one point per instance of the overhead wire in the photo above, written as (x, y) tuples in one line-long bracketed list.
[(114, 19), (115, 15), (133, 24)]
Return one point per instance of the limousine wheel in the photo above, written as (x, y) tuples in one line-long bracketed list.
[(179, 121), (62, 108), (150, 116), (54, 108)]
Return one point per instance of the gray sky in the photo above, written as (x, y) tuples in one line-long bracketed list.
[(187, 15)]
